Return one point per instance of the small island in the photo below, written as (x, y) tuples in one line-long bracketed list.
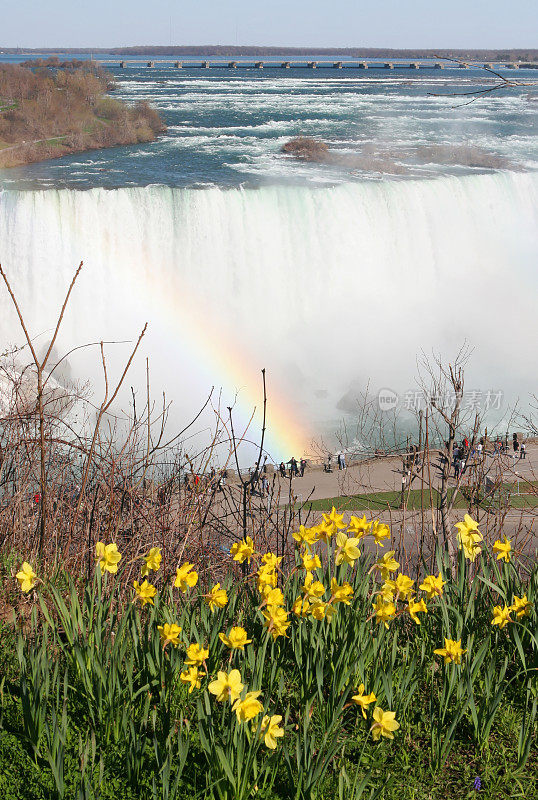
[(307, 149), (51, 108)]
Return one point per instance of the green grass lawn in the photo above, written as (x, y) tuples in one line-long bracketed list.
[(417, 499)]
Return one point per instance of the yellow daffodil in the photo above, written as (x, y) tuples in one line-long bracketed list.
[(145, 592), (273, 597), (169, 633), (387, 591), (243, 550), (468, 525), (310, 562), (501, 616), (217, 597), (433, 586), (402, 586), (340, 594), (415, 608), (307, 536), (312, 589), (237, 638), (276, 620), (152, 561), (26, 577), (324, 532), (332, 523), (521, 606), (469, 537), (380, 531), (386, 565), (196, 655), (248, 708), (107, 557), (502, 549), (469, 545), (270, 731), (301, 607), (384, 610), (317, 610), (384, 724), (321, 610), (227, 686), (271, 560), (192, 677), (363, 700), (266, 576), (359, 527), (347, 549), (186, 577), (452, 651)]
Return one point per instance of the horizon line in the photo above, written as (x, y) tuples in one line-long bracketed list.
[(275, 49)]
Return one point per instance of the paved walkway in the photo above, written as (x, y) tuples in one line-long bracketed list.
[(384, 474)]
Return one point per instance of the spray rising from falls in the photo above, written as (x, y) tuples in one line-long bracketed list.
[(326, 288)]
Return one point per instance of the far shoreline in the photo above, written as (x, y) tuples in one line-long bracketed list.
[(501, 54)]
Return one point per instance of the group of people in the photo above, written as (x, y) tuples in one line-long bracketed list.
[(460, 455), (340, 460), (296, 468), (463, 452), (519, 448), (193, 481)]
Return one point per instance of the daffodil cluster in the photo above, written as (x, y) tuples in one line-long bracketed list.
[(384, 722), (401, 589), (345, 535), (272, 603), (145, 591), (229, 687), (501, 614), (469, 538), (327, 554)]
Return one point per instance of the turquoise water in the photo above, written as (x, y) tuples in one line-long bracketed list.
[(226, 128)]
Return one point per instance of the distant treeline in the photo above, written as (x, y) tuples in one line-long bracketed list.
[(521, 54), (51, 108)]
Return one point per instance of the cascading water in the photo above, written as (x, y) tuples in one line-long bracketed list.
[(325, 287)]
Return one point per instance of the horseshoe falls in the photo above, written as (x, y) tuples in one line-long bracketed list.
[(326, 288)]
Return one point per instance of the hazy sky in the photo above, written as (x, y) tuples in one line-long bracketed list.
[(343, 23)]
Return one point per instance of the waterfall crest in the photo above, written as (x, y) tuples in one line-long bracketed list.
[(324, 287)]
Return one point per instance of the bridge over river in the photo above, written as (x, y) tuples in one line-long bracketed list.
[(302, 64)]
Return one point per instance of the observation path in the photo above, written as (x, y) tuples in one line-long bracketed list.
[(384, 474)]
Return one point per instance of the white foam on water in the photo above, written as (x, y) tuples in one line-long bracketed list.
[(322, 287)]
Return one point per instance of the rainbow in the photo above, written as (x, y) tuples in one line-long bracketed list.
[(225, 361)]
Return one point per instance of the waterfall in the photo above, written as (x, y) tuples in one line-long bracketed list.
[(326, 288)]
